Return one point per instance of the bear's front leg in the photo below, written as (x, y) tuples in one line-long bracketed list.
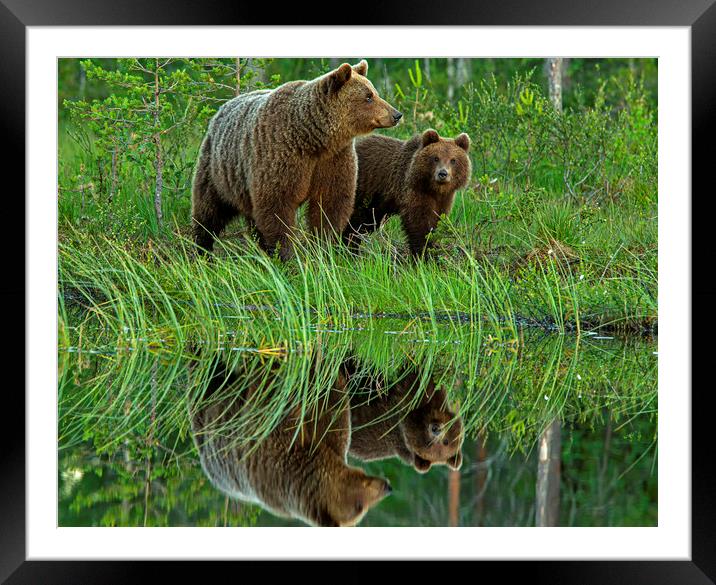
[(332, 194), (418, 221), (275, 197)]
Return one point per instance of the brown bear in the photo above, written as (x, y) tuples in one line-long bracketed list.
[(415, 179), (299, 470), (386, 423), (268, 151)]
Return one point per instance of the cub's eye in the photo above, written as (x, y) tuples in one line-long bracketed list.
[(435, 429), (452, 161), (359, 507), (435, 159), (369, 99)]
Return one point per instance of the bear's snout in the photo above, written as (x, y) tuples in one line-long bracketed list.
[(397, 116), (442, 176)]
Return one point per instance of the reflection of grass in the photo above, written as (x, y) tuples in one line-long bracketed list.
[(132, 405), (140, 388)]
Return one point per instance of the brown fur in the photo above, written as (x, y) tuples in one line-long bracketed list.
[(401, 177), (304, 477), (267, 152), (429, 433)]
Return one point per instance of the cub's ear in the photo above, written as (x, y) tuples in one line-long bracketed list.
[(361, 68), (430, 136), (421, 465), (455, 462), (463, 141), (337, 78)]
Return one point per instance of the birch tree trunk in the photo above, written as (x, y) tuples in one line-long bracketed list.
[(463, 71), (451, 79), (238, 75), (554, 76)]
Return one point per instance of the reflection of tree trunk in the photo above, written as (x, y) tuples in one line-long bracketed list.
[(601, 508), (480, 479), (548, 475), (454, 497), (426, 69)]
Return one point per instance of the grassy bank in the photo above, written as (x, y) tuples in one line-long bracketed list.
[(557, 228)]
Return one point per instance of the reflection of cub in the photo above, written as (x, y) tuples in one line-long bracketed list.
[(306, 478), (430, 433)]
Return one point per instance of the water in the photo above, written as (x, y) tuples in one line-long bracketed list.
[(449, 427)]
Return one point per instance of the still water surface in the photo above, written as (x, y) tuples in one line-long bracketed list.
[(379, 429)]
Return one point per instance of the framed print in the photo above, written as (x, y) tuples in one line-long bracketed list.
[(281, 277)]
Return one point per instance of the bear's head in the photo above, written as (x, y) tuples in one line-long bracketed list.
[(433, 432), (441, 164), (355, 102), (351, 494)]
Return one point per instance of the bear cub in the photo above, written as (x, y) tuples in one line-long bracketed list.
[(415, 179), (389, 424)]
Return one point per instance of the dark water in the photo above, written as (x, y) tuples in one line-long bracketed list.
[(540, 430)]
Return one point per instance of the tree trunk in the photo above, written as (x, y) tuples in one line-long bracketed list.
[(426, 68), (113, 178), (463, 72), (451, 79), (238, 75), (548, 475), (158, 162), (554, 75)]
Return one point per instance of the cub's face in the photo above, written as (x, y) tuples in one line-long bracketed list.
[(434, 434), (353, 494), (358, 102), (443, 163)]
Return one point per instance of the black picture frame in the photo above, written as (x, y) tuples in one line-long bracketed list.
[(16, 15)]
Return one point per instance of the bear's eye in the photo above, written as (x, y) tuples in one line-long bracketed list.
[(452, 161), (436, 159), (359, 507), (369, 99), (435, 429)]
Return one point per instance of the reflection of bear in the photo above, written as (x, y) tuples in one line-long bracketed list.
[(268, 151), (306, 477), (427, 434), (415, 179)]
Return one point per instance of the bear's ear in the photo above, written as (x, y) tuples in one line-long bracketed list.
[(463, 141), (455, 462), (421, 465), (361, 68), (338, 77), (429, 137)]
